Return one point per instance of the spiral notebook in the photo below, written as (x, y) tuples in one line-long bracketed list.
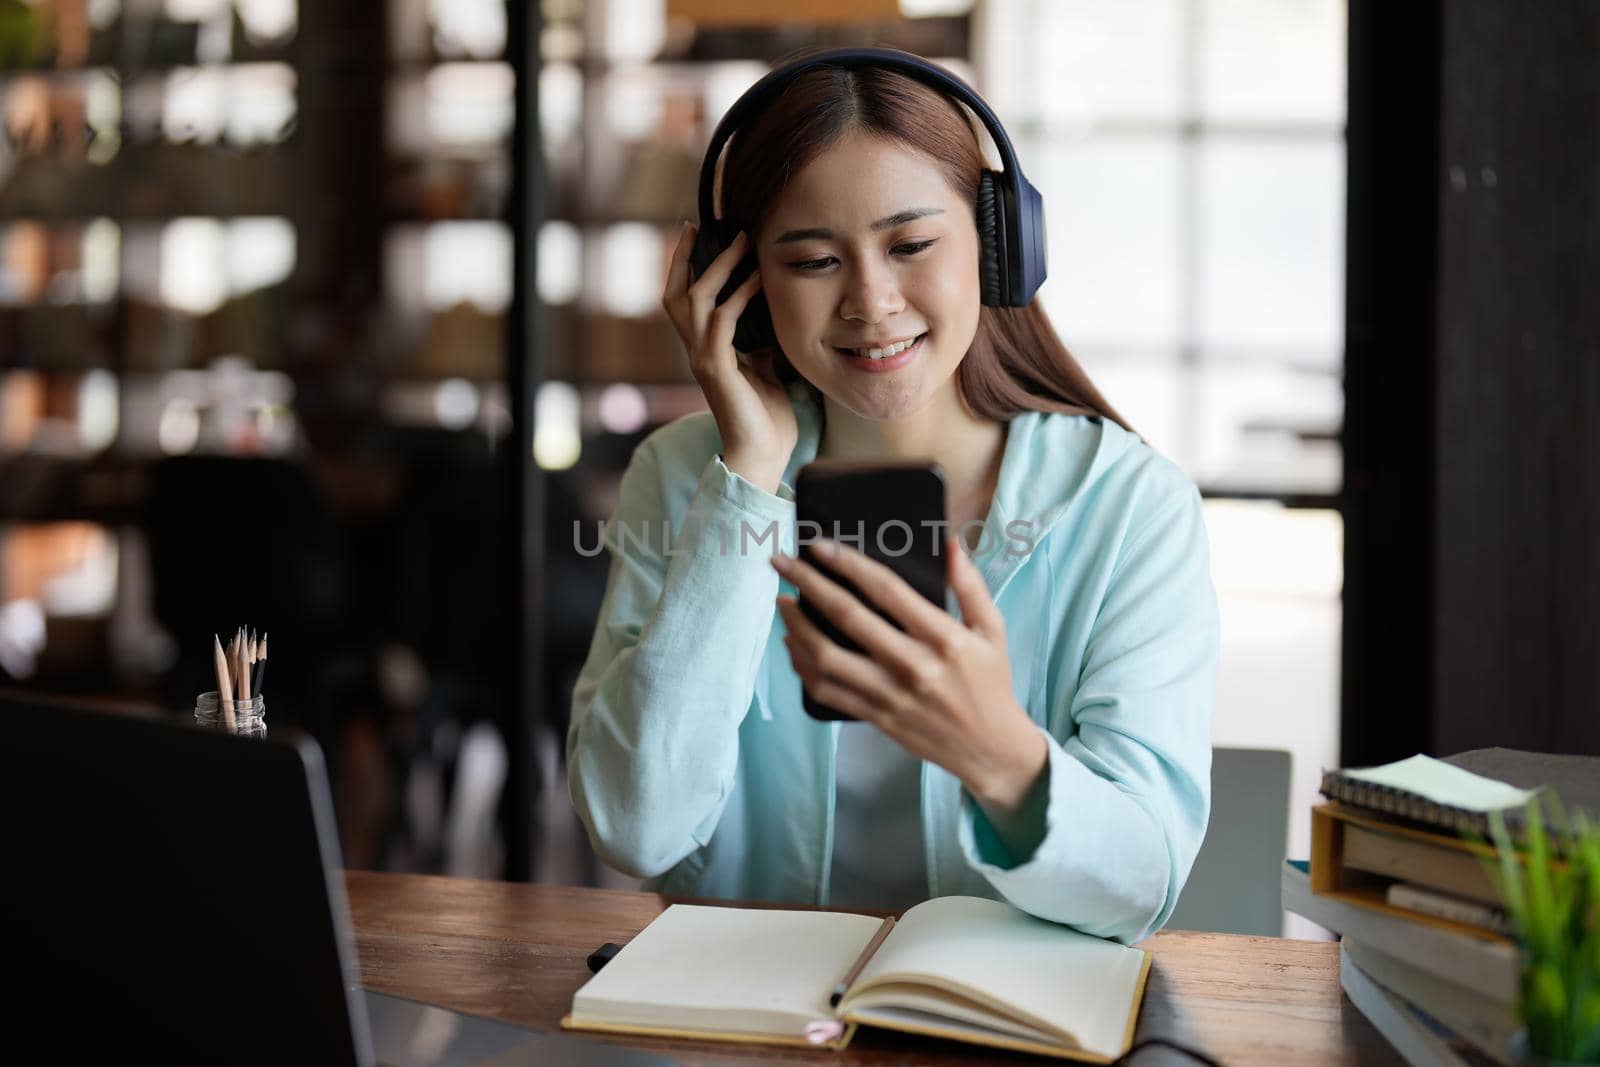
[(1459, 792)]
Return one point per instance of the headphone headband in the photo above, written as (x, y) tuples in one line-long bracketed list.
[(774, 82)]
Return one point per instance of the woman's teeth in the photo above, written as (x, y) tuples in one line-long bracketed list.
[(885, 353)]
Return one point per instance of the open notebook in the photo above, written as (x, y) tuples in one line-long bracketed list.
[(965, 968)]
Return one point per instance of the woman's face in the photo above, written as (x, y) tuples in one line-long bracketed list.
[(867, 246)]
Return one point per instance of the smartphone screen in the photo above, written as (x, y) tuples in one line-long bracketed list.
[(893, 513)]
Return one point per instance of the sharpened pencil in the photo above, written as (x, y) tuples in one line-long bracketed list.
[(261, 657), (861, 962), (224, 685), (244, 671)]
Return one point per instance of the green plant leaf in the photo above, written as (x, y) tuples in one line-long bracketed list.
[(1552, 895)]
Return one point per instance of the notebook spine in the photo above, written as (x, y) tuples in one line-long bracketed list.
[(1389, 800)]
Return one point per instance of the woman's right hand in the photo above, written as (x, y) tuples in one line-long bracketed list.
[(751, 406)]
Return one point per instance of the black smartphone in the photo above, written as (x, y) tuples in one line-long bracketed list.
[(893, 513)]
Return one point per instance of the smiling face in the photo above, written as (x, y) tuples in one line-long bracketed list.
[(869, 245)]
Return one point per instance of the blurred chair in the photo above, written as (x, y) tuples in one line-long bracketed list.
[(449, 629), (1233, 887)]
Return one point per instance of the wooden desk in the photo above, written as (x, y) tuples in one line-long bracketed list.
[(517, 952)]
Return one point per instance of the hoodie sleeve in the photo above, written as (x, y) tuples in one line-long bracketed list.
[(654, 734), (1129, 769)]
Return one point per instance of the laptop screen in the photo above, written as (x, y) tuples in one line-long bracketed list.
[(174, 891)]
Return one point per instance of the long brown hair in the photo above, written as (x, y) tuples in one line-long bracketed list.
[(1016, 362)]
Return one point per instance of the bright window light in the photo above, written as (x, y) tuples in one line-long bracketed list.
[(556, 437), (1112, 230), (195, 104), (267, 20), (194, 276), (633, 102), (475, 27), (1262, 548), (97, 410), (630, 268), (103, 12), (194, 10), (560, 262), (1272, 231), (635, 29), (468, 262), (261, 253), (102, 106), (926, 9), (726, 82), (102, 245), (1081, 63), (261, 102), (560, 100), (179, 428), (22, 636), (455, 403), (1273, 61), (470, 103)]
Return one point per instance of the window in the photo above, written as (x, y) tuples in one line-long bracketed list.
[(1191, 158)]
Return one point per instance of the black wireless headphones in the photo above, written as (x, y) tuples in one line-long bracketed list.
[(1010, 213)]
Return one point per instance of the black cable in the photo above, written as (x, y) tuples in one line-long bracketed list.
[(1149, 1041)]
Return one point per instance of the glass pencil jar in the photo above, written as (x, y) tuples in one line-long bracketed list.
[(248, 717)]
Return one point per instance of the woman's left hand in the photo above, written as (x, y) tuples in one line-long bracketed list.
[(942, 688)]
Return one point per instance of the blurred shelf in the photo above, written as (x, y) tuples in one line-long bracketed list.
[(154, 182), (122, 69), (165, 66), (415, 67), (406, 218), (104, 488), (597, 220), (14, 74), (937, 36), (84, 216), (117, 70)]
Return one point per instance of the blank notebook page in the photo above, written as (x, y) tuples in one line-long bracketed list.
[(1078, 983), (694, 957)]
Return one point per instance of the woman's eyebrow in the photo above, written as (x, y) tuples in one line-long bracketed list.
[(896, 219)]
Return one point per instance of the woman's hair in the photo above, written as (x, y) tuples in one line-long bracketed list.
[(1016, 362)]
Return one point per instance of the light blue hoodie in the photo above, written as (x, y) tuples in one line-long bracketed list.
[(694, 766)]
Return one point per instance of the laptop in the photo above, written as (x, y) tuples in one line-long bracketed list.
[(176, 893)]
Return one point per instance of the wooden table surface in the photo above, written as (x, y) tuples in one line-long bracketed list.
[(517, 952)]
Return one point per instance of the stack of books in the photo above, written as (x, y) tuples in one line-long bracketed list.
[(1427, 953)]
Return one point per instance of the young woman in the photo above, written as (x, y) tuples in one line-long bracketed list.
[(1049, 747)]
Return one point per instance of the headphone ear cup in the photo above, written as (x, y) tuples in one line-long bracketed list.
[(1030, 243), (991, 220), (754, 328), (707, 247)]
